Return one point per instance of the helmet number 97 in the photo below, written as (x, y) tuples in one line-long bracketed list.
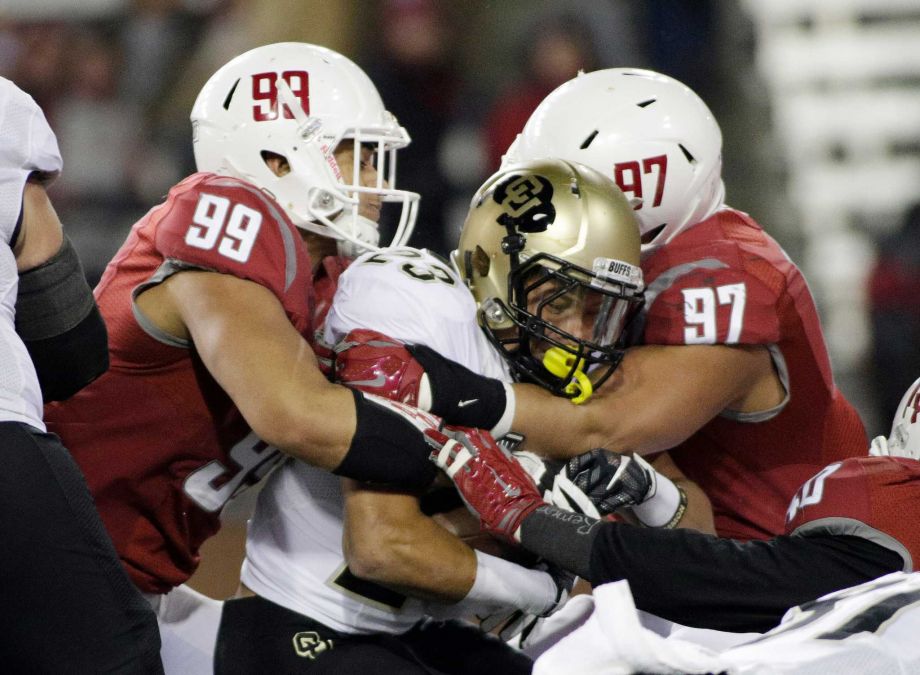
[(265, 94), (628, 176)]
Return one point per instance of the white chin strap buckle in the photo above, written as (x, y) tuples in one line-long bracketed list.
[(362, 232)]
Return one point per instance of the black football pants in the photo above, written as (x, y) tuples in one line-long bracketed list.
[(66, 603), (257, 636)]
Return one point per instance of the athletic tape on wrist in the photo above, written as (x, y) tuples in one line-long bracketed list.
[(500, 583), (424, 393), (666, 508)]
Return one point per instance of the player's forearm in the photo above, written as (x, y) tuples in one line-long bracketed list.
[(698, 514), (269, 371), (623, 416), (709, 582), (704, 581), (657, 398), (553, 426), (387, 540), (412, 568)]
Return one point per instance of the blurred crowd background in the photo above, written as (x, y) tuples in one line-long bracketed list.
[(819, 102)]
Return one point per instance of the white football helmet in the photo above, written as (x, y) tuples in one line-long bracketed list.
[(904, 440), (653, 135), (300, 101)]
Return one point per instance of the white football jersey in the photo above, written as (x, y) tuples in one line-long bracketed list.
[(870, 628), (413, 296), (28, 145), (294, 545)]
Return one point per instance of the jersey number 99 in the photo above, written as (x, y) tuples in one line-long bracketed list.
[(232, 228)]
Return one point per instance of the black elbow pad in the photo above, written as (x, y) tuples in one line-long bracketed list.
[(57, 319)]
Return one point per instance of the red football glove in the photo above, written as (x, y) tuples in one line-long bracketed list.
[(419, 376), (374, 363), (494, 486)]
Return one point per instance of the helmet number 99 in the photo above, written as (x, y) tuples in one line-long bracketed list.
[(234, 235), (265, 94), (628, 176)]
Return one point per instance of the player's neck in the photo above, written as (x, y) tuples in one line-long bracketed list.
[(319, 247)]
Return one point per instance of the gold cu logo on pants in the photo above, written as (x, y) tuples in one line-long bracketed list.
[(309, 644)]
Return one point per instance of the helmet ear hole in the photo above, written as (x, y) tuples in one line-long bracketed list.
[(687, 153), (480, 262), (587, 142), (278, 164)]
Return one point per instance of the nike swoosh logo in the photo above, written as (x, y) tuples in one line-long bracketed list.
[(509, 490), (378, 381), (470, 401)]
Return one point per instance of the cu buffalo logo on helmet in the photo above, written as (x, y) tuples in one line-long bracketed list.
[(527, 203)]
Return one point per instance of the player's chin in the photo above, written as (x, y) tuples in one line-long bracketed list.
[(370, 211)]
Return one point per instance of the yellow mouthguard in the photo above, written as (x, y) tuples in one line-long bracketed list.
[(559, 362)]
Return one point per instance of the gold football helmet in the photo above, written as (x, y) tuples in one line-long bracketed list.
[(550, 250)]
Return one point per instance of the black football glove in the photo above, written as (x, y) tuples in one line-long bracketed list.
[(599, 482)]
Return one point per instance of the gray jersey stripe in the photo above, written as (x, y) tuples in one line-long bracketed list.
[(166, 269), (856, 528), (665, 280), (782, 370)]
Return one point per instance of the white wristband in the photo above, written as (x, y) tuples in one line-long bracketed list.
[(504, 424), (500, 583), (665, 508)]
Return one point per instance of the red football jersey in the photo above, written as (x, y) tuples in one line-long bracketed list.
[(725, 281), (325, 283), (877, 498), (161, 445)]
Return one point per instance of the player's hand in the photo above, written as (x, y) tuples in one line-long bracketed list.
[(493, 485), (419, 376), (374, 363), (599, 482)]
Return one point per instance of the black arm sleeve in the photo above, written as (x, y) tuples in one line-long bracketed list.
[(60, 324), (701, 580), (704, 581), (68, 362), (387, 446)]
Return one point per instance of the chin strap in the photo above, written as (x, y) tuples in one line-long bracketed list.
[(363, 233)]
